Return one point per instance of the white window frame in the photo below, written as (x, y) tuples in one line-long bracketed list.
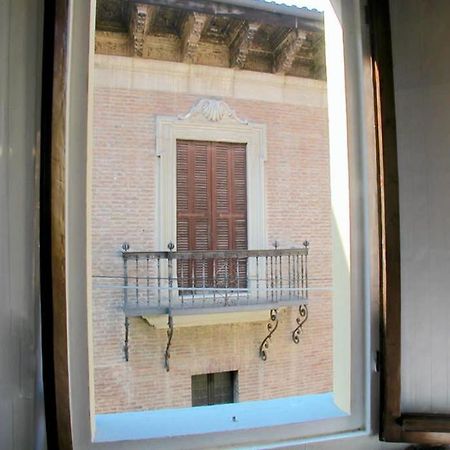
[(356, 379)]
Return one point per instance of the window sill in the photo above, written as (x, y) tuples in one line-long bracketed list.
[(167, 423)]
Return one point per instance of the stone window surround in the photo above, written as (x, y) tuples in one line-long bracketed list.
[(210, 120)]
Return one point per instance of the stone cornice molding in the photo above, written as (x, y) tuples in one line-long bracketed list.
[(119, 72)]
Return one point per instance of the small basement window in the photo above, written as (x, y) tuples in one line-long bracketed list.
[(214, 388)]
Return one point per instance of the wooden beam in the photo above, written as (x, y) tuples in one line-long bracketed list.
[(288, 50), (140, 18), (192, 29), (436, 423), (242, 43), (306, 20)]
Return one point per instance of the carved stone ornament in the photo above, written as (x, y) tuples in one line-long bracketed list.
[(213, 110)]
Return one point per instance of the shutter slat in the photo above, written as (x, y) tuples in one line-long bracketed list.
[(222, 155), (200, 179), (182, 177), (240, 180)]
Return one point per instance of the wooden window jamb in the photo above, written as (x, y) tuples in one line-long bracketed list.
[(395, 426), (53, 224)]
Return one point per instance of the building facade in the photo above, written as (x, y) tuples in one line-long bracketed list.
[(149, 109)]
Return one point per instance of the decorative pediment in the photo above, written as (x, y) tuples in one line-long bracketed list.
[(213, 110)]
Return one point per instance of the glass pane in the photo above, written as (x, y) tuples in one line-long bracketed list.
[(212, 244)]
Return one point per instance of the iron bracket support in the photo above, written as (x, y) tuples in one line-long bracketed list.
[(271, 327)]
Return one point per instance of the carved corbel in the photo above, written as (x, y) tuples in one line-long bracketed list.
[(241, 45), (318, 67), (140, 19), (288, 51), (190, 35)]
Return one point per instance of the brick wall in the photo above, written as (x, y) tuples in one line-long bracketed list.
[(123, 209)]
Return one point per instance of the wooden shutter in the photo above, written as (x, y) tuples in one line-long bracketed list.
[(193, 215), (229, 209), (229, 197), (211, 203)]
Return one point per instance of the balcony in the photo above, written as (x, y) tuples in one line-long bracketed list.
[(169, 288), (202, 282), (163, 285)]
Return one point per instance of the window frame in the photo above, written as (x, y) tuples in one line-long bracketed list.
[(72, 109), (210, 386), (194, 126)]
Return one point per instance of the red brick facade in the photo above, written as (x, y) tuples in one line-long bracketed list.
[(124, 189)]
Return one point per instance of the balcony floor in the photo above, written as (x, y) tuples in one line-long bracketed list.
[(205, 305)]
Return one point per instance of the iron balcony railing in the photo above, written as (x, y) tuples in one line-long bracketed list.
[(198, 282), (171, 281)]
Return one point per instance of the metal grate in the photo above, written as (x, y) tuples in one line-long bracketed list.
[(214, 388)]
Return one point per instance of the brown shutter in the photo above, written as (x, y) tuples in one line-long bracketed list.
[(211, 202), (192, 195), (229, 209), (192, 204), (229, 199)]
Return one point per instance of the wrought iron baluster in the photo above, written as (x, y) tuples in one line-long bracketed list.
[(148, 280), (137, 280), (267, 278), (297, 283), (303, 274), (203, 279), (281, 277), (181, 282), (276, 281), (214, 281), (237, 278), (293, 275), (158, 265), (271, 278), (226, 280), (306, 245), (257, 279), (192, 279), (247, 282), (289, 275)]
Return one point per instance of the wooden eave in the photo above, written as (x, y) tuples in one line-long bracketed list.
[(239, 37)]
